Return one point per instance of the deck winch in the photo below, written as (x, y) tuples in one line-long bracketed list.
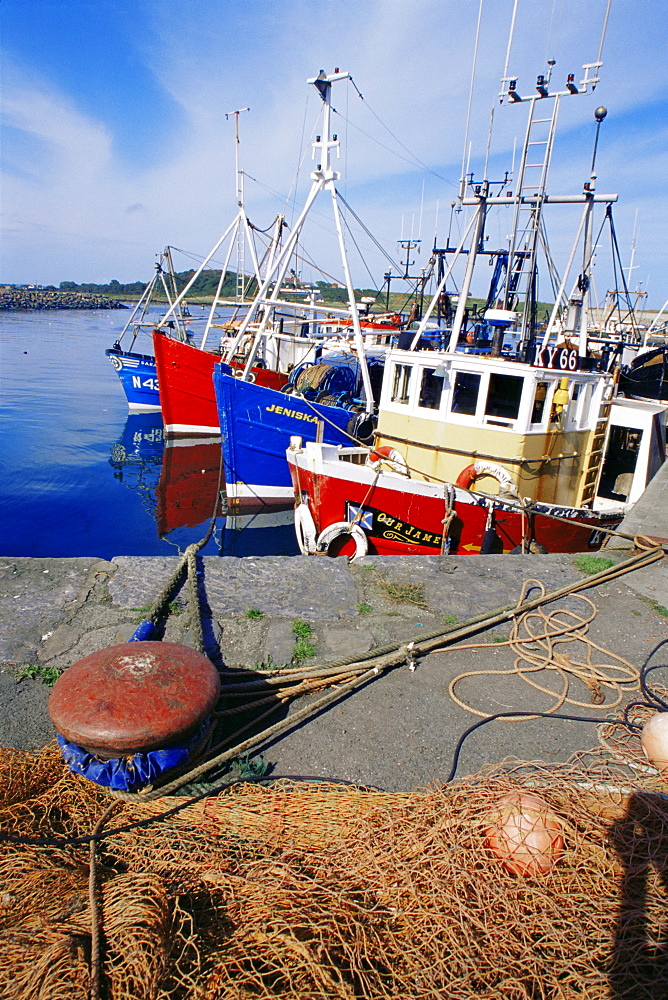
[(127, 713)]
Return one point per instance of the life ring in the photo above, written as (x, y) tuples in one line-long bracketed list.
[(239, 373), (388, 459), (502, 476), (326, 537), (305, 529)]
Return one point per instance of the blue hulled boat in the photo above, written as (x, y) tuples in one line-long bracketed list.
[(320, 402), (138, 377), (137, 371)]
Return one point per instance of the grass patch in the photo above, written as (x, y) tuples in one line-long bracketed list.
[(404, 593), (634, 611), (364, 608), (37, 672), (450, 619), (497, 637), (302, 630), (303, 650), (593, 564), (655, 606), (268, 664), (254, 614)]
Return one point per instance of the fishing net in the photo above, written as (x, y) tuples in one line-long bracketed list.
[(303, 890)]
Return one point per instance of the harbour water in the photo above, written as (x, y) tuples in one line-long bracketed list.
[(79, 476)]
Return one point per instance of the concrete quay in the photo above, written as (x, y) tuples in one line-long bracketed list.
[(398, 732)]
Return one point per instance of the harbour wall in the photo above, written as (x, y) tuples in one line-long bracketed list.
[(19, 299), (398, 732)]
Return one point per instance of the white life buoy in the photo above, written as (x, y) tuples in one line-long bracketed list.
[(388, 460), (467, 476), (327, 536), (305, 529), (239, 373)]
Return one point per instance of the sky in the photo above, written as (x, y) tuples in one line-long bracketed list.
[(117, 137)]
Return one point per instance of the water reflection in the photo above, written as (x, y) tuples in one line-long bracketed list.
[(136, 457), (177, 482)]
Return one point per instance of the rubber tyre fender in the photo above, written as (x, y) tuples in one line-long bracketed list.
[(305, 529), (361, 427), (338, 528)]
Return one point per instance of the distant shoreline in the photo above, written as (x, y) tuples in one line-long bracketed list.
[(26, 299)]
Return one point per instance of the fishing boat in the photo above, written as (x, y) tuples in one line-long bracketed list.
[(232, 331), (510, 437), (136, 370), (334, 392), (646, 377)]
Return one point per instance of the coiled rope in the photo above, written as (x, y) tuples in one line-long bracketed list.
[(537, 650)]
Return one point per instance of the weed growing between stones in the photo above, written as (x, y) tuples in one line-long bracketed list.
[(268, 664), (364, 608), (302, 630), (404, 593), (659, 608), (141, 614), (254, 614), (304, 648), (450, 619), (36, 671)]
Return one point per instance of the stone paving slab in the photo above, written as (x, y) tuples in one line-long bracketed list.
[(34, 598), (275, 585)]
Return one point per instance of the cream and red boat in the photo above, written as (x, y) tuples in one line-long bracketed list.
[(475, 454)]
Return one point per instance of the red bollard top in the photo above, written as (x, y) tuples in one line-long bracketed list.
[(135, 697)]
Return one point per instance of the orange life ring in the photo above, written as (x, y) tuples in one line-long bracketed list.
[(467, 476), (389, 458)]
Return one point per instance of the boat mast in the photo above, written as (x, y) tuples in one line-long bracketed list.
[(323, 178)]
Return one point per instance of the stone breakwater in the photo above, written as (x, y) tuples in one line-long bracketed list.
[(40, 298)]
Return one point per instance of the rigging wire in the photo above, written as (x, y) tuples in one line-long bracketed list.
[(413, 158)]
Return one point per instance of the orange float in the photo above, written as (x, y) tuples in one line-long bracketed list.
[(525, 834)]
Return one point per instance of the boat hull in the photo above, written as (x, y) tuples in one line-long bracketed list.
[(401, 516), (186, 387), (256, 426), (647, 376), (138, 376)]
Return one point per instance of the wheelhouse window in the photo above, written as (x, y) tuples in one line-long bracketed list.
[(431, 389), (401, 384), (539, 398), (465, 393), (504, 396)]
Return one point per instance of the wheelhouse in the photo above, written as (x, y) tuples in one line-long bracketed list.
[(444, 410)]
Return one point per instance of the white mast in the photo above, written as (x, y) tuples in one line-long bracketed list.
[(323, 178)]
